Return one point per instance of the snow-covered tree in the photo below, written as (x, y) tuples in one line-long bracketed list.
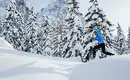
[(59, 32), (96, 17), (128, 43), (72, 40), (12, 29), (120, 41), (30, 31), (1, 25), (60, 29), (43, 36), (56, 41), (22, 7), (129, 38)]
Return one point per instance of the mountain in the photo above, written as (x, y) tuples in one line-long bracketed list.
[(53, 9), (3, 3)]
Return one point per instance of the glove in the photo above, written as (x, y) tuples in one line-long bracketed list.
[(96, 42)]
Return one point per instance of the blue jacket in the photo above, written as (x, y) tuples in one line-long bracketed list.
[(98, 37)]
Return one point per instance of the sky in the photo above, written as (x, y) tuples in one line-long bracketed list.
[(116, 10)]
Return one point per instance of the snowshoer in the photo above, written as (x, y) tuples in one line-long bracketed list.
[(98, 37)]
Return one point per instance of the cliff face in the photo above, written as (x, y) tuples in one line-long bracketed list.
[(53, 9)]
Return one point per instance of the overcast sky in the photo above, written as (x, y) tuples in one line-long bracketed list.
[(116, 10)]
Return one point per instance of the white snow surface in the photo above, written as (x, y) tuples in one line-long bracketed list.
[(16, 65), (5, 44)]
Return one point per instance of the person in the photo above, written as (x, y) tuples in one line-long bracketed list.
[(100, 40)]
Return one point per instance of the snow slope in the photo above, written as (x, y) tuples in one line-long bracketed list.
[(16, 65), (5, 44)]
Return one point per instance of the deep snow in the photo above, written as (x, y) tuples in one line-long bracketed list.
[(16, 65)]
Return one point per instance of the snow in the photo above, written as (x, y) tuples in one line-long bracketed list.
[(115, 68), (16, 65), (5, 44), (95, 16)]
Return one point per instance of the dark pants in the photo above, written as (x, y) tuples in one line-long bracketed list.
[(102, 46)]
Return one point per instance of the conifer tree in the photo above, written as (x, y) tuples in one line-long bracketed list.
[(12, 29), (30, 31), (72, 40), (60, 29), (96, 17), (128, 43), (120, 40), (44, 36)]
